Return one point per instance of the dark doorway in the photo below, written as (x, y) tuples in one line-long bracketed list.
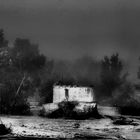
[(67, 94)]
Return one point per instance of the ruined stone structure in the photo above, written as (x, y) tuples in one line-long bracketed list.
[(84, 95), (73, 93)]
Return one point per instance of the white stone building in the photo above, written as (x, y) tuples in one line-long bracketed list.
[(73, 93), (83, 95)]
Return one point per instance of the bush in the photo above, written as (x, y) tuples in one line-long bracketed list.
[(12, 104), (131, 108), (89, 112), (21, 107), (125, 101), (67, 110)]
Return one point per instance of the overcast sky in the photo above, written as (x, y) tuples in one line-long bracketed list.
[(68, 29)]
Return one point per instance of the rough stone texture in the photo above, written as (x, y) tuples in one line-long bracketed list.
[(85, 106), (50, 107), (80, 94)]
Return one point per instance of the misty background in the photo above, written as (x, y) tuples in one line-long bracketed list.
[(69, 42), (69, 29)]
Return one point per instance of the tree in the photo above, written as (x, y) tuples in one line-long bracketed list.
[(4, 49), (19, 67), (3, 41), (27, 59), (9, 80), (111, 69), (138, 71)]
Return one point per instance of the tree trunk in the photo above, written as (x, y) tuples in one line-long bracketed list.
[(18, 90), (21, 83)]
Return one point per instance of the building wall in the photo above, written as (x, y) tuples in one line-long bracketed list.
[(80, 94)]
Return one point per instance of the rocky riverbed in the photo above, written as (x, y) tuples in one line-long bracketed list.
[(30, 127)]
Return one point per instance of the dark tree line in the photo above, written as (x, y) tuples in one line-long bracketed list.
[(111, 70), (18, 66)]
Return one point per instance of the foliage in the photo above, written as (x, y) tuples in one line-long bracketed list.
[(67, 110), (24, 69), (111, 69), (28, 60), (18, 66), (11, 104), (124, 94), (3, 41), (131, 109), (138, 74), (46, 91), (90, 112), (26, 56), (124, 99), (67, 106), (4, 49)]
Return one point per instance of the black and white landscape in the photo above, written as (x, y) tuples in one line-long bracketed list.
[(70, 69)]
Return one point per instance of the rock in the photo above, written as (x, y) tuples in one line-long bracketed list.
[(137, 129), (88, 128), (41, 124), (76, 125), (115, 128), (23, 125), (95, 136), (4, 130), (122, 121), (135, 123)]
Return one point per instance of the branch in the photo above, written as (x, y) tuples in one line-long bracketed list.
[(20, 85)]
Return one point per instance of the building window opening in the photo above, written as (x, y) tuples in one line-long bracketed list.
[(67, 94)]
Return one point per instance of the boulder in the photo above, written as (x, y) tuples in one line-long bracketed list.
[(4, 130)]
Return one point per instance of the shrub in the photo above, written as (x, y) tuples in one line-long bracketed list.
[(125, 101), (89, 112), (42, 112), (132, 107), (21, 107), (12, 104), (67, 110)]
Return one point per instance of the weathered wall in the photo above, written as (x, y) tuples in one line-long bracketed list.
[(50, 107), (107, 110), (80, 94)]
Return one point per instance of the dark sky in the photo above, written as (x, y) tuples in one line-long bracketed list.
[(68, 29)]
